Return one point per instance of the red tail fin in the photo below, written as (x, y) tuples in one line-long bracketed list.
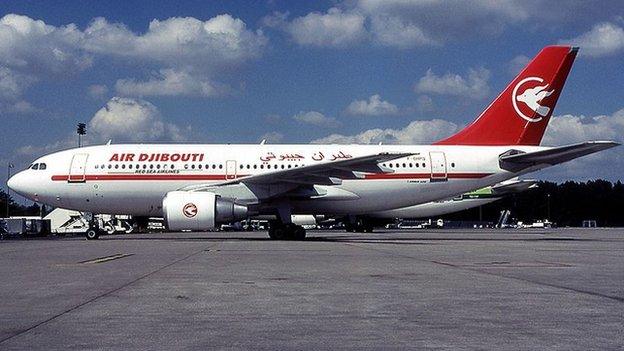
[(520, 114)]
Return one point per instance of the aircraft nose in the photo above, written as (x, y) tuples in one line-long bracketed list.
[(18, 183)]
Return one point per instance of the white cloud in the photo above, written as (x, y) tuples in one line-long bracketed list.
[(33, 49), (97, 91), (602, 40), (402, 23), (336, 28), (132, 120), (424, 103), (417, 132), (393, 31), (272, 118), (375, 106), (316, 118), (169, 82), (518, 63), (411, 23), (23, 107), (568, 129), (272, 137), (179, 41), (475, 86)]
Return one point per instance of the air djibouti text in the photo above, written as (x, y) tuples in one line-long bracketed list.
[(158, 157)]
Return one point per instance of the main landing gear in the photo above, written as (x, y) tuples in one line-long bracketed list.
[(359, 225), (287, 231)]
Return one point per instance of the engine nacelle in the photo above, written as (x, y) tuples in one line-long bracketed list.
[(199, 210)]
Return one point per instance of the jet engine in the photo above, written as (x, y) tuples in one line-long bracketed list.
[(199, 210)]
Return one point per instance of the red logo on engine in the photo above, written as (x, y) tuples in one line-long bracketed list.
[(190, 210)]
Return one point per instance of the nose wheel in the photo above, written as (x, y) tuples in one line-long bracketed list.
[(92, 234), (288, 231)]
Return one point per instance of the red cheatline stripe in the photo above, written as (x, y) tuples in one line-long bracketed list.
[(146, 177), (222, 176)]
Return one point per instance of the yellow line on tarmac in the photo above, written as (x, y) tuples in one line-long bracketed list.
[(105, 259)]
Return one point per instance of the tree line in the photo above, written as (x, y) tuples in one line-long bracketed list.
[(565, 204)]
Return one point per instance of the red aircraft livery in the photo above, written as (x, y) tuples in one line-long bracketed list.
[(155, 157)]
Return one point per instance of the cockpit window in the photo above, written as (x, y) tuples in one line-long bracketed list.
[(42, 166), (35, 166)]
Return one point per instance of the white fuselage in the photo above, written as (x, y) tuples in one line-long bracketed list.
[(134, 179)]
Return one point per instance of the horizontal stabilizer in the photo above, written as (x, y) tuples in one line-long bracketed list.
[(513, 186), (515, 160)]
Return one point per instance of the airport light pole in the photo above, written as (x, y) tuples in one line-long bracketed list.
[(9, 166), (548, 206), (81, 129)]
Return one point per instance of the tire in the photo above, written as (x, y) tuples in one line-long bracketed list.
[(299, 233), (278, 232), (92, 234)]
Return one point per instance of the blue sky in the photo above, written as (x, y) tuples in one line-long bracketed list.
[(396, 71)]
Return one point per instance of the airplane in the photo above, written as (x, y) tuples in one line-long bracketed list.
[(195, 187), (476, 198)]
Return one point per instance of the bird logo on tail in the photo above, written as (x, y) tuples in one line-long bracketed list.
[(532, 97)]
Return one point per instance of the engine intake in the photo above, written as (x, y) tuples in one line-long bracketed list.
[(199, 210)]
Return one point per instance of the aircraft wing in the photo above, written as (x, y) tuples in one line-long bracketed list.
[(327, 173), (516, 161)]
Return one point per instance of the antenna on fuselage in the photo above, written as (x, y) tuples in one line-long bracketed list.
[(109, 141), (263, 142)]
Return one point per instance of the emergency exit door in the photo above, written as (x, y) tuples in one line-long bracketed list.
[(438, 166), (230, 169), (78, 168)]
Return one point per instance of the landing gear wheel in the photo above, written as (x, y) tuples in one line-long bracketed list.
[(278, 232), (92, 234), (286, 232), (299, 233)]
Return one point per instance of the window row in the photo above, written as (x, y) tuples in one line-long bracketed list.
[(220, 166), (38, 166), (409, 165)]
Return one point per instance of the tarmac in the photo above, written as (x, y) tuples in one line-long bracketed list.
[(428, 289)]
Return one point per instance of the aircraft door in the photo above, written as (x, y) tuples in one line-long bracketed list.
[(438, 166), (78, 168), (230, 169)]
